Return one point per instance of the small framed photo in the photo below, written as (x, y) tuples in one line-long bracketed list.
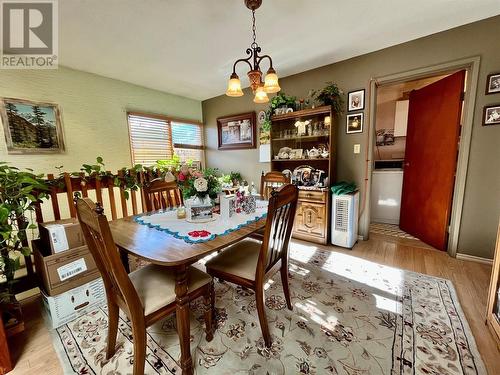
[(356, 100), (491, 115), (261, 117), (493, 84), (237, 132), (296, 153), (354, 123), (200, 214)]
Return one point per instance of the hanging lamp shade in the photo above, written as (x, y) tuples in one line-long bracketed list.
[(260, 96), (234, 86), (271, 84)]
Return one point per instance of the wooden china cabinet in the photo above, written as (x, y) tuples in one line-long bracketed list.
[(313, 209)]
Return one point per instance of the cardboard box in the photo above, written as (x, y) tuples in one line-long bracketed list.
[(61, 272), (76, 302), (61, 235)]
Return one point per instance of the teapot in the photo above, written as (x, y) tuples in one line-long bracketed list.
[(313, 153)]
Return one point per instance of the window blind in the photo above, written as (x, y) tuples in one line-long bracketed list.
[(155, 138), (150, 139)]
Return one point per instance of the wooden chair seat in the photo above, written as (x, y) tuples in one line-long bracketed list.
[(239, 259), (155, 285)]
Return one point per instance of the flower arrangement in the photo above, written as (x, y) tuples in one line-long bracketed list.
[(195, 183)]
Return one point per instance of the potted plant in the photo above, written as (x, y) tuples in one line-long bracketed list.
[(280, 100), (331, 94), (19, 192)]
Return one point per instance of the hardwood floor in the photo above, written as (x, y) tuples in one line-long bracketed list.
[(33, 352)]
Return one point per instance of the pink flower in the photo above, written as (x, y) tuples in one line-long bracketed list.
[(181, 177), (197, 174)]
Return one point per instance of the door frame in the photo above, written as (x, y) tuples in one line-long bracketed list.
[(471, 65)]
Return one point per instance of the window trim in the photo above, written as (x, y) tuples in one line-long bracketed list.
[(170, 120)]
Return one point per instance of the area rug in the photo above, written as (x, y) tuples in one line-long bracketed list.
[(350, 316)]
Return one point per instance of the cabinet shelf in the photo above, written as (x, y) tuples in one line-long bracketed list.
[(301, 160), (304, 113), (301, 138)]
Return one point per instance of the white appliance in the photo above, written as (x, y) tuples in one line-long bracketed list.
[(386, 195), (345, 219)]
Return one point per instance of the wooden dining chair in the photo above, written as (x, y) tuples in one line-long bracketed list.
[(250, 263), (145, 295), (161, 194), (270, 181)]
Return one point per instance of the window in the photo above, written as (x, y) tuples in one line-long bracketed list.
[(155, 138), (188, 141)]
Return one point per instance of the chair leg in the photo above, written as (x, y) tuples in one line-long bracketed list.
[(113, 314), (139, 333), (261, 310), (286, 285), (208, 302)]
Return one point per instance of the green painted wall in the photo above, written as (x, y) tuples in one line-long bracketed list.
[(482, 196), (93, 114)]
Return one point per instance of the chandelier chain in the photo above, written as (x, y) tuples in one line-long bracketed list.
[(254, 44)]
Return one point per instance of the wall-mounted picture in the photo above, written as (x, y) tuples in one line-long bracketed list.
[(237, 132), (264, 128), (354, 123), (491, 115), (356, 100), (493, 84), (31, 127)]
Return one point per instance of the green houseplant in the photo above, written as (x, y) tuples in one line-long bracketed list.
[(331, 94), (19, 191), (278, 101)]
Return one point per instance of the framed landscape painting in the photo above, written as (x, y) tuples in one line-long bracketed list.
[(237, 132), (31, 127)]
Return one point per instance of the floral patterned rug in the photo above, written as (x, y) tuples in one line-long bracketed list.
[(350, 316)]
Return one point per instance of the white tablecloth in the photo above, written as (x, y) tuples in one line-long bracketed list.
[(167, 221)]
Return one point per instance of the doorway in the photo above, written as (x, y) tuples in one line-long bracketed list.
[(417, 132), (386, 147)]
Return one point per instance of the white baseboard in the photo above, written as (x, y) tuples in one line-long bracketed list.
[(474, 258)]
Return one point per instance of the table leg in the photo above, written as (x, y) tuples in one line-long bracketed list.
[(124, 259), (182, 312)]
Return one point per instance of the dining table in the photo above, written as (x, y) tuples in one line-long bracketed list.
[(165, 249)]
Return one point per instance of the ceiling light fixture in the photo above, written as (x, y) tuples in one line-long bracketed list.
[(259, 88)]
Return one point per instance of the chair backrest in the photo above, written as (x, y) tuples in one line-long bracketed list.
[(271, 180), (161, 194), (278, 230), (95, 228)]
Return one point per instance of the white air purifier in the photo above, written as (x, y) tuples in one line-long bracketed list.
[(345, 219)]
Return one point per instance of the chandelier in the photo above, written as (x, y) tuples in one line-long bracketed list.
[(253, 60)]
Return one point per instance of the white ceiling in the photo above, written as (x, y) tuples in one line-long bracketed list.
[(187, 47)]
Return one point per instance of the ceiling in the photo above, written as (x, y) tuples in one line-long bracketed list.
[(187, 47)]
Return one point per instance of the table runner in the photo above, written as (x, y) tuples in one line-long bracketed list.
[(166, 221)]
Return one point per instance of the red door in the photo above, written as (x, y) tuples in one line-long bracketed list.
[(431, 158)]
